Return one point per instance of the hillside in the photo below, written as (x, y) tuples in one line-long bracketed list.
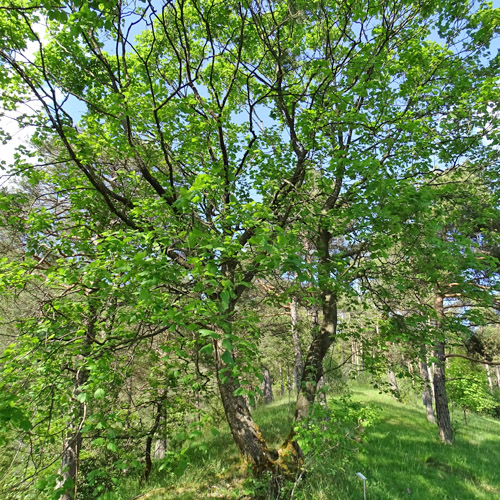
[(399, 453)]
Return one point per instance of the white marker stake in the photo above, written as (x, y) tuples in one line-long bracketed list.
[(363, 478)]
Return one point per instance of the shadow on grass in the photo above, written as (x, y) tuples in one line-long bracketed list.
[(403, 458)]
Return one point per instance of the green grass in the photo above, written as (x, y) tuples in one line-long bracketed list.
[(400, 455), (403, 457)]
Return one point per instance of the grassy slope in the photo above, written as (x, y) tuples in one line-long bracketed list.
[(404, 459), (401, 457)]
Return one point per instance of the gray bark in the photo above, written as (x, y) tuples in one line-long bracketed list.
[(297, 348), (282, 382), (440, 397), (427, 393), (490, 379), (267, 387), (72, 443)]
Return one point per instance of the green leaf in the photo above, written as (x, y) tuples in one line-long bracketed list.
[(227, 358), (82, 397), (224, 297), (207, 349), (112, 447), (99, 393), (209, 333), (227, 344)]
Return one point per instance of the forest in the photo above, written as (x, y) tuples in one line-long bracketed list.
[(242, 237)]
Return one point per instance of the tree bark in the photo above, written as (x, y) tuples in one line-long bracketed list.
[(322, 392), (323, 338), (393, 381), (297, 348), (441, 399), (246, 434), (267, 387), (282, 382), (427, 393), (490, 379), (72, 442), (497, 372), (150, 438)]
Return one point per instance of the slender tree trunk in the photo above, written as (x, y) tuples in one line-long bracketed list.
[(490, 379), (267, 387), (322, 392), (354, 359), (150, 438), (430, 370), (440, 397), (393, 381), (427, 393), (72, 443), (160, 449), (297, 348), (282, 382), (497, 372)]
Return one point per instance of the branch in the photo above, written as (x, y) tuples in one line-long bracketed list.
[(491, 363)]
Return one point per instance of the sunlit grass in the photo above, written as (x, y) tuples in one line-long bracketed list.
[(400, 455)]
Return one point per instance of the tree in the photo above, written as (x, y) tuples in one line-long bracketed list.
[(197, 137)]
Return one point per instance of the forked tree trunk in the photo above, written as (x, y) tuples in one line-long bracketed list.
[(245, 432), (427, 393), (440, 397)]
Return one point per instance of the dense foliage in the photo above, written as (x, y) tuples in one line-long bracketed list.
[(197, 165)]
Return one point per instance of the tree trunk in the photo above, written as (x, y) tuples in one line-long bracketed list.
[(323, 337), (69, 466), (297, 348), (160, 449), (150, 438), (246, 434), (354, 359), (282, 382), (267, 387), (497, 372), (72, 443), (322, 392), (393, 382), (490, 379), (427, 394), (245, 431), (441, 399)]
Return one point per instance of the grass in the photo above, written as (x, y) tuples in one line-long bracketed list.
[(401, 456)]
